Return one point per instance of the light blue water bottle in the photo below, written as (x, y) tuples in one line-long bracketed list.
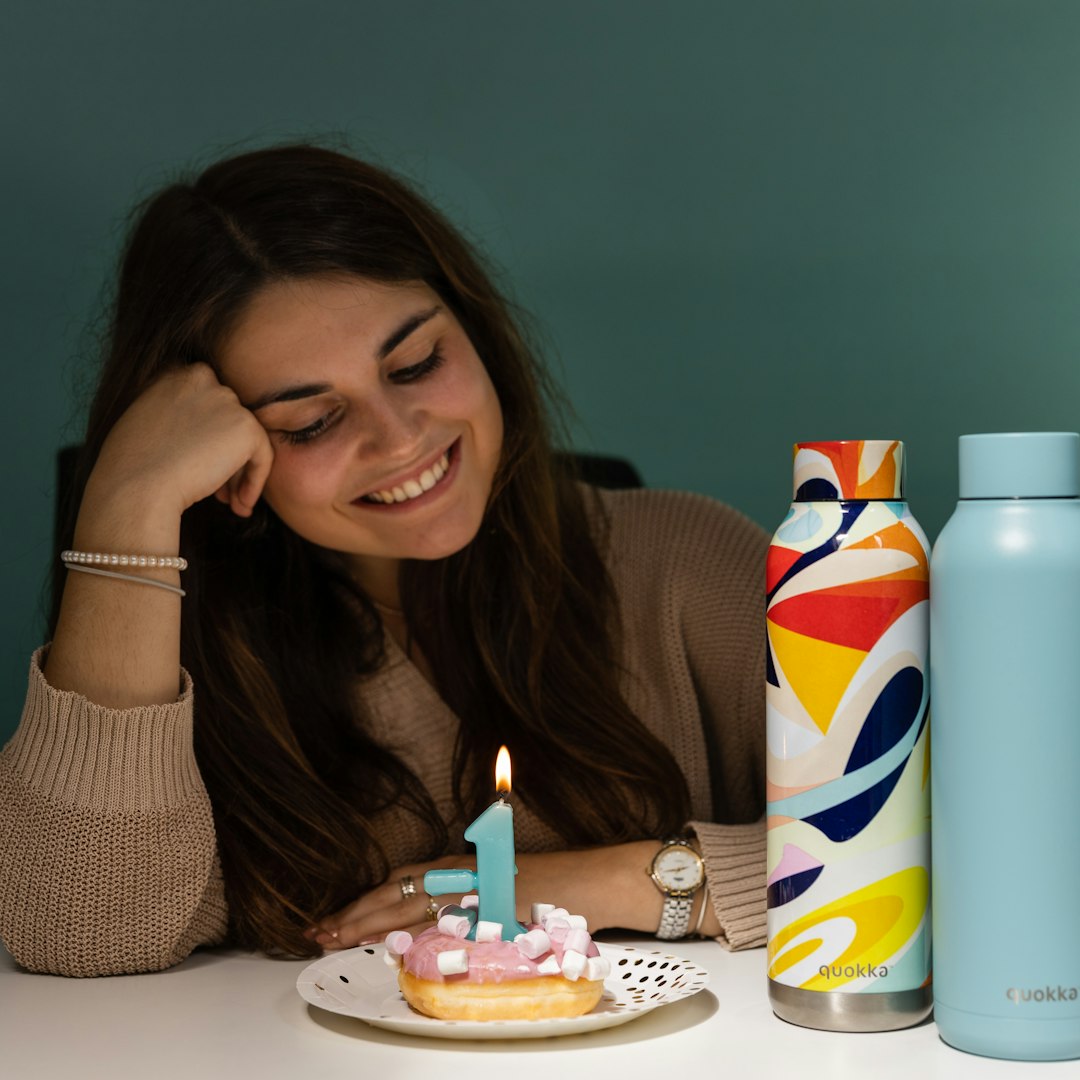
[(1005, 774)]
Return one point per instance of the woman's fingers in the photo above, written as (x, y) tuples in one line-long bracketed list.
[(346, 939), (257, 471), (350, 928), (387, 907), (187, 436), (254, 475), (242, 490), (376, 912)]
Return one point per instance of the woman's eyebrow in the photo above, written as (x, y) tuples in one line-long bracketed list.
[(295, 393), (413, 322), (288, 393)]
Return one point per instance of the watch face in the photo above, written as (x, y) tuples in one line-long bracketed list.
[(678, 868)]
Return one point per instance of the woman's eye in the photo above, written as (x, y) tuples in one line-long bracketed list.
[(312, 431), (418, 371)]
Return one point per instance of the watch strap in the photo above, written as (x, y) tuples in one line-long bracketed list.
[(675, 917)]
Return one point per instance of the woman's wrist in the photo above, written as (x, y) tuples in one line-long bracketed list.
[(703, 915), (632, 898), (702, 920), (129, 517)]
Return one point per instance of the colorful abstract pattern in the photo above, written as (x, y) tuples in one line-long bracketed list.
[(850, 469), (847, 702)]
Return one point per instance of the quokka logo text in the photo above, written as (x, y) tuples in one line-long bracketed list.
[(853, 971), (1047, 993)]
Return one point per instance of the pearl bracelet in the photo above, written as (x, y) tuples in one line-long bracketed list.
[(100, 558)]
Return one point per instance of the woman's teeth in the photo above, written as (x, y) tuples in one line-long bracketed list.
[(412, 489)]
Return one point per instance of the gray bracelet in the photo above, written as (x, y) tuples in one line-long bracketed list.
[(701, 913), (125, 577)]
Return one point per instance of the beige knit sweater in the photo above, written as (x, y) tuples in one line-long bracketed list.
[(108, 861)]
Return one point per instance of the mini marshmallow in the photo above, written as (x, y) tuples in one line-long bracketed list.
[(597, 968), (577, 922), (457, 909), (398, 941), (550, 966), (554, 913), (453, 962), (573, 965), (541, 911), (455, 925), (578, 940), (533, 944), (489, 931), (472, 900), (557, 930)]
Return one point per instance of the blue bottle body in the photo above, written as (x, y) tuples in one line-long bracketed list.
[(1005, 778)]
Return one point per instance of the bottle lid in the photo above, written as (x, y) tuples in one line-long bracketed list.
[(849, 469), (1019, 465)]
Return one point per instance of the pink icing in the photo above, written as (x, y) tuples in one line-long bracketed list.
[(489, 961)]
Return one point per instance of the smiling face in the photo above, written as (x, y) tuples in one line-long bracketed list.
[(386, 428)]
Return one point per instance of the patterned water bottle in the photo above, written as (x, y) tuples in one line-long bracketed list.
[(848, 770), (1006, 667)]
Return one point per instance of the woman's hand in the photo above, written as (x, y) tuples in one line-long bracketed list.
[(386, 907), (610, 886), (184, 438)]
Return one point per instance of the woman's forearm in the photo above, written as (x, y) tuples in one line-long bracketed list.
[(185, 438), (610, 886), (118, 642)]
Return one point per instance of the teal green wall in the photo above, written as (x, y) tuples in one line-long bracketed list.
[(738, 223)]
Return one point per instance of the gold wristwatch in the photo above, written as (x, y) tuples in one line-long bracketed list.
[(678, 871)]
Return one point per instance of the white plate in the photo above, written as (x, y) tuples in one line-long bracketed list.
[(358, 982)]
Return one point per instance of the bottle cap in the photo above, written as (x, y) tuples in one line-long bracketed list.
[(1020, 465), (849, 469)]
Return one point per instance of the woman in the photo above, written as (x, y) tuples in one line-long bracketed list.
[(393, 577)]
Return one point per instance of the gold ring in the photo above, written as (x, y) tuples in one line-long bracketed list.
[(432, 909), (408, 887)]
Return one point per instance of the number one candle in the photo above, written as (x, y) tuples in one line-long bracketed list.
[(493, 834)]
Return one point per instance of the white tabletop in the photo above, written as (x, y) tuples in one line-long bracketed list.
[(233, 1014)]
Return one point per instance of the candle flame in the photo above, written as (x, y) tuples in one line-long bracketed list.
[(502, 771)]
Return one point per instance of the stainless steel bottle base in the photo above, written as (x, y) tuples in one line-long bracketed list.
[(829, 1010)]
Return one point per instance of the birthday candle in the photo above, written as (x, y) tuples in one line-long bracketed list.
[(493, 834)]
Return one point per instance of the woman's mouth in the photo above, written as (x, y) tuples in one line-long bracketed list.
[(415, 487)]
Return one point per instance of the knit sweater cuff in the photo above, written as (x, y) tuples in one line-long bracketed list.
[(735, 870), (112, 760)]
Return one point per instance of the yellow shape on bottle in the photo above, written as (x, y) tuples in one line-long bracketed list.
[(817, 671), (886, 914), (793, 956)]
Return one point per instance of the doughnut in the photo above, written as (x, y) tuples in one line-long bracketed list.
[(552, 970)]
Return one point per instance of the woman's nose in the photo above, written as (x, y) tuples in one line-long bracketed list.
[(390, 429)]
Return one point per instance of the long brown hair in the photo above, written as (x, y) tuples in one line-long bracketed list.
[(520, 627)]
